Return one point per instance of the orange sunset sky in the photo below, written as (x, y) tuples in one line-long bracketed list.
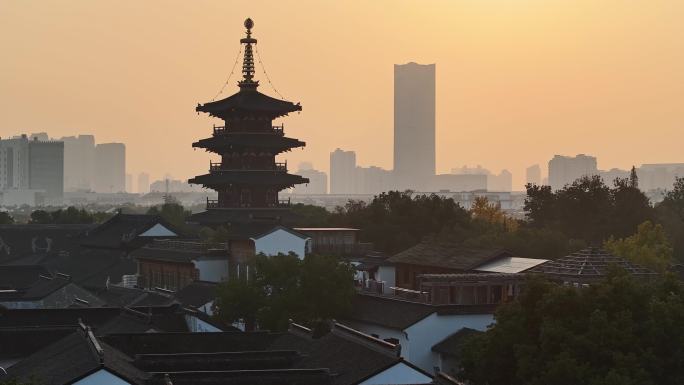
[(517, 80)]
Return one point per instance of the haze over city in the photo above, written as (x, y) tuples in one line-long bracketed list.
[(516, 81)]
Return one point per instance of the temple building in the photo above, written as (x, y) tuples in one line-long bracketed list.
[(247, 176)]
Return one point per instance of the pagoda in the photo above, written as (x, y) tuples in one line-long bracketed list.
[(247, 177)]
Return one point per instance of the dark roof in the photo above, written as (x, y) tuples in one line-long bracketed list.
[(40, 289), (20, 276), (247, 222), (248, 101), (90, 268), (19, 342), (250, 177), (591, 263), (73, 357), (286, 229), (170, 318), (453, 344), (18, 241), (122, 230), (230, 140), (118, 296), (447, 255), (197, 294), (400, 314)]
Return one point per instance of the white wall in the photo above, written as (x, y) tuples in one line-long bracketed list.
[(386, 273), (101, 377), (280, 241), (158, 230), (423, 335), (381, 331), (196, 325), (212, 270), (398, 374)]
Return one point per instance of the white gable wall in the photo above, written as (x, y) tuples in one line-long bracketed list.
[(158, 230), (280, 241), (386, 274), (424, 334), (398, 374), (102, 377)]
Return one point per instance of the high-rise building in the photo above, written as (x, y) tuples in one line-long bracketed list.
[(110, 168), (46, 169), (564, 170), (533, 174), (342, 172), (373, 180), (501, 182), (79, 162), (143, 183), (318, 180), (14, 163), (414, 125)]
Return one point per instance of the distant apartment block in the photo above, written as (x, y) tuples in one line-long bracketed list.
[(458, 182), (79, 162), (110, 168), (533, 175), (414, 124), (143, 183), (564, 170), (46, 169), (342, 172), (373, 180), (14, 161), (318, 181)]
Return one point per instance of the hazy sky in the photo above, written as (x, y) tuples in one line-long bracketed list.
[(517, 80)]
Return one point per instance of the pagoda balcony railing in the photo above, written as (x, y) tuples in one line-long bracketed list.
[(218, 167), (212, 203), (222, 130)]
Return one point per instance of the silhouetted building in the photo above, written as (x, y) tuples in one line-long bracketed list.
[(373, 180), (414, 124), (501, 182), (458, 182), (79, 162), (565, 170), (143, 183), (533, 174), (247, 175), (661, 176), (342, 172), (110, 167), (14, 163), (46, 169)]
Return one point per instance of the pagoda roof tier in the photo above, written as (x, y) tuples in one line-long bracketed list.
[(232, 140), (248, 101), (248, 177)]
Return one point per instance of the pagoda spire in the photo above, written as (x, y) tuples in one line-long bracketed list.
[(248, 81)]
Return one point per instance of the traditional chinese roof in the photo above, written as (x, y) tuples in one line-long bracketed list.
[(237, 140), (124, 230), (248, 102), (248, 177), (447, 255), (590, 263)]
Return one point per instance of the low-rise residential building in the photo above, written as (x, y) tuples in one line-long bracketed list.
[(338, 241)]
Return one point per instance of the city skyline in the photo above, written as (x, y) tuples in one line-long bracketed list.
[(602, 79)]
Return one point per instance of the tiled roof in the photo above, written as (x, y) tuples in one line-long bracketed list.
[(453, 344), (197, 294), (19, 241), (20, 276), (248, 101), (122, 230), (447, 255)]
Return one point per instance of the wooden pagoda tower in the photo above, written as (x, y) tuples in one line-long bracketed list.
[(247, 177)]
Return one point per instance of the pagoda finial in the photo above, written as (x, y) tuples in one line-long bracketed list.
[(248, 60)]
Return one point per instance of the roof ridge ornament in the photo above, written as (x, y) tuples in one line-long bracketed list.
[(248, 71)]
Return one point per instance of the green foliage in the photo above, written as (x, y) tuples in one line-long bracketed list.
[(311, 215), (648, 247), (620, 331), (70, 215), (284, 287), (589, 210), (173, 212), (395, 221), (670, 213), (6, 218)]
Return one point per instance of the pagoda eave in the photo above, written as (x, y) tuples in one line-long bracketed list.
[(251, 177)]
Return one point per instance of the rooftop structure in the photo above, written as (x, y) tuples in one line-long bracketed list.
[(247, 176)]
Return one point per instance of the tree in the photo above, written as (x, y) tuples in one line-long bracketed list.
[(491, 213), (311, 215), (40, 217), (283, 287), (620, 331), (173, 212), (6, 218), (670, 213), (648, 247)]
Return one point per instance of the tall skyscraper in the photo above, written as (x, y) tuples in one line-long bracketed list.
[(46, 169), (110, 167), (533, 174), (414, 125), (79, 162), (565, 170), (143, 183), (342, 172), (14, 163)]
